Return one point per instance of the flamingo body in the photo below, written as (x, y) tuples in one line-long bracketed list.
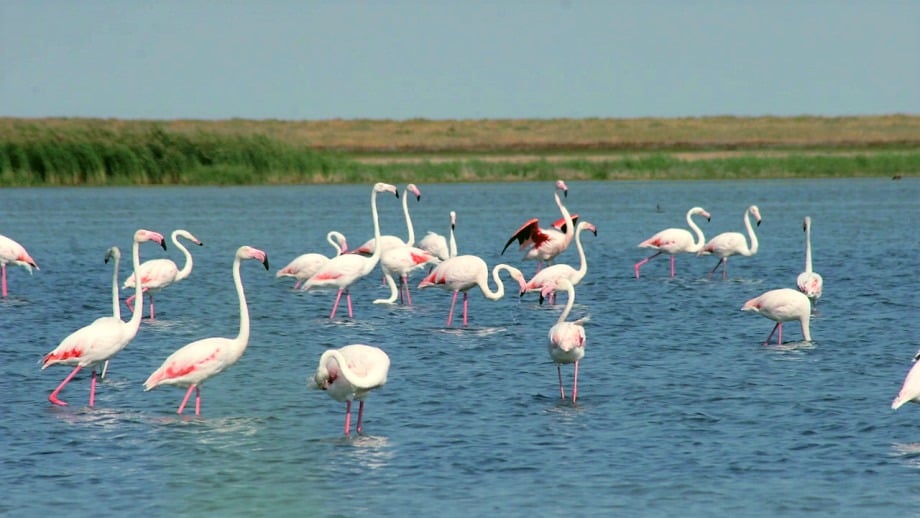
[(782, 305), (728, 244), (305, 266), (438, 245), (400, 261), (157, 274), (543, 245), (11, 252), (567, 340), (673, 241), (552, 274), (910, 389), (390, 241), (464, 272), (351, 373)]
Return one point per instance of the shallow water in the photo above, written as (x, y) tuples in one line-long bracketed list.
[(681, 409)]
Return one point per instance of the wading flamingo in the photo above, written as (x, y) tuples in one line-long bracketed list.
[(673, 241), (157, 274), (104, 338), (544, 244), (910, 389), (304, 266), (437, 245), (400, 261), (730, 243), (390, 241), (344, 270), (463, 272), (113, 253), (782, 305), (194, 363), (809, 282), (567, 339), (551, 274), (13, 253), (350, 373)]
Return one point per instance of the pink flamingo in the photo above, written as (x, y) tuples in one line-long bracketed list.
[(567, 339), (782, 305), (910, 389), (102, 339), (350, 373), (198, 361), (304, 266), (390, 241), (437, 245), (157, 274), (12, 252), (462, 273), (401, 261), (346, 269), (552, 274), (543, 245), (673, 241), (727, 244), (809, 282)]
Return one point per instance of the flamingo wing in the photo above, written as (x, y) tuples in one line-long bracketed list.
[(193, 363), (89, 344), (530, 233), (560, 225)]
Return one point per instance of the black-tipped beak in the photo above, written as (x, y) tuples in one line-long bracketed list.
[(397, 194), (418, 198), (758, 223), (565, 193), (163, 244), (265, 262), (708, 220)]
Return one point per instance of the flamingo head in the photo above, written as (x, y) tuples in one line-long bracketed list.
[(917, 356), (701, 211), (112, 253), (755, 212), (248, 252), (560, 185), (453, 219), (806, 223), (584, 225), (752, 305), (326, 374), (414, 190), (386, 187), (142, 236)]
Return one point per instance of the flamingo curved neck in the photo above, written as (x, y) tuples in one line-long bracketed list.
[(187, 269), (500, 292), (331, 237), (374, 257), (243, 337), (405, 204), (700, 238), (747, 223), (569, 303), (345, 370), (569, 228), (583, 267)]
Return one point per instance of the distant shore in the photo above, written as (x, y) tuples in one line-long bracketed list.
[(75, 151)]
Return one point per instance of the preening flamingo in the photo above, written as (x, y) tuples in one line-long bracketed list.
[(344, 270), (304, 266), (551, 274), (544, 244), (673, 241), (194, 363), (390, 241), (727, 244), (13, 253), (910, 389), (437, 245), (782, 305), (157, 274), (809, 282), (567, 339), (400, 261), (350, 373), (463, 272), (105, 337)]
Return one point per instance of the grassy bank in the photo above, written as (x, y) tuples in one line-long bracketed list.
[(36, 152)]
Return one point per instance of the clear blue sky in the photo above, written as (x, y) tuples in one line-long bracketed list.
[(466, 59)]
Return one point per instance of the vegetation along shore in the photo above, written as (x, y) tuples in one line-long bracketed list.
[(74, 151)]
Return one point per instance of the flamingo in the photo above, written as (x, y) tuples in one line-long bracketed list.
[(463, 272), (782, 305), (344, 270), (401, 261), (390, 241), (809, 282), (543, 245), (198, 361), (350, 373), (567, 339), (113, 253), (910, 389), (102, 339), (12, 252), (157, 274), (304, 266), (435, 243), (730, 243), (673, 241), (551, 274)]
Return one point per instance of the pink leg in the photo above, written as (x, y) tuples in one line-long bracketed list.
[(642, 262), (151, 308), (779, 335), (296, 284), (466, 303), (348, 299), (561, 388), (575, 384), (360, 416), (335, 305), (405, 281), (775, 327), (188, 393), (716, 268), (54, 395), (347, 417), (92, 389), (129, 303), (3, 269), (197, 400), (453, 302), (724, 268), (672, 266)]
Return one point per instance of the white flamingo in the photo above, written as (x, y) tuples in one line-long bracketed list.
[(782, 305), (567, 339), (809, 282), (390, 241), (400, 261), (13, 253), (113, 253), (437, 245), (350, 373), (728, 244), (543, 245), (910, 389), (673, 241), (157, 274), (202, 359), (344, 270), (104, 338), (552, 274), (304, 266), (464, 272)]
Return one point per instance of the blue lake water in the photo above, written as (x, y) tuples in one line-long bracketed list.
[(681, 409)]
